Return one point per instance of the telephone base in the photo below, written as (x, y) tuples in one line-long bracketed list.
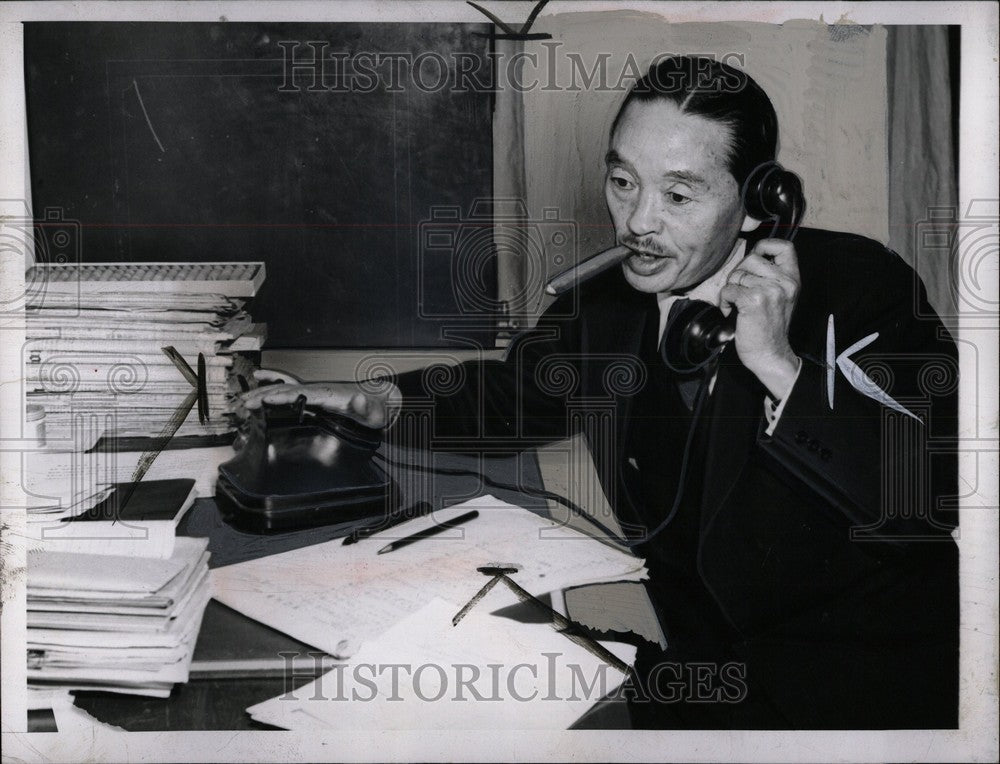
[(351, 509)]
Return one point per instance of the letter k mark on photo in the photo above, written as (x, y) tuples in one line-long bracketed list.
[(853, 373)]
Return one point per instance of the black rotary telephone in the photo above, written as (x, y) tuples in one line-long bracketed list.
[(700, 331), (301, 466)]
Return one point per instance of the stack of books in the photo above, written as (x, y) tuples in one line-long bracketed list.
[(96, 335), (115, 623)]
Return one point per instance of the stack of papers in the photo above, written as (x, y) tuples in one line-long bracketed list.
[(94, 339), (337, 597), (485, 673), (116, 623)]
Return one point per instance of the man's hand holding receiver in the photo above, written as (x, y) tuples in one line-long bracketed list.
[(763, 288)]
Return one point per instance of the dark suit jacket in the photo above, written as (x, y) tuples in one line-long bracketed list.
[(826, 545)]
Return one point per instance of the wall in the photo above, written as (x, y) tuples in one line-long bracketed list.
[(827, 83)]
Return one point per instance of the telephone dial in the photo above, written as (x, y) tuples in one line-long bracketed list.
[(302, 466), (700, 331)]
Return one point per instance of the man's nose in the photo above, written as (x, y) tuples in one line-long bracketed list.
[(643, 218)]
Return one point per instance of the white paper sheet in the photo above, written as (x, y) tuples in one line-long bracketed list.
[(149, 539), (334, 597), (516, 676), (67, 571)]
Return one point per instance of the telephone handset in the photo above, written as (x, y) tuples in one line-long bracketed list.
[(700, 331)]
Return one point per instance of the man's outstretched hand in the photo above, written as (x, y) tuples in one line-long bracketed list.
[(374, 405)]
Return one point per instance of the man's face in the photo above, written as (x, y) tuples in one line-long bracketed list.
[(671, 196)]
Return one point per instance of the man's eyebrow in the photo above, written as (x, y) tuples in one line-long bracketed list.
[(685, 176), (612, 157)]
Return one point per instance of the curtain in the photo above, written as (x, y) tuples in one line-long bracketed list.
[(920, 133), (923, 185)]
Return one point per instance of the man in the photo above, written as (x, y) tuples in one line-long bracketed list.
[(787, 500)]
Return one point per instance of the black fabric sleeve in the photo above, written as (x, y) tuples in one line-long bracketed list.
[(880, 466), (515, 403)]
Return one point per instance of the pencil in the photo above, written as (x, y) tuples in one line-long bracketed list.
[(434, 530), (395, 518)]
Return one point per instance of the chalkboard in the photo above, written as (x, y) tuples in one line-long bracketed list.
[(198, 142)]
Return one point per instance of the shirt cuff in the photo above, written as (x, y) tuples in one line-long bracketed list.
[(772, 410)]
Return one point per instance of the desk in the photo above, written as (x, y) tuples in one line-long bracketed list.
[(237, 660), (217, 698), (219, 690)]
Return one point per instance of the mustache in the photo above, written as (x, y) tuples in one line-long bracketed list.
[(643, 245)]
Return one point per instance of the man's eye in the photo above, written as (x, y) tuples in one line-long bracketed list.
[(621, 182), (676, 198)]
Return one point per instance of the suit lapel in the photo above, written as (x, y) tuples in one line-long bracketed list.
[(735, 407), (734, 420), (630, 343), (606, 342)]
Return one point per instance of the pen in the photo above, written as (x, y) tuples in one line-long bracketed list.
[(587, 269), (419, 509), (434, 530)]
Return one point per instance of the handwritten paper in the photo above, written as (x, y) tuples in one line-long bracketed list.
[(334, 597)]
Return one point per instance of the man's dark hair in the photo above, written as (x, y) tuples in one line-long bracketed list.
[(711, 89)]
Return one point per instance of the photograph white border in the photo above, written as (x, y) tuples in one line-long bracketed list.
[(976, 740)]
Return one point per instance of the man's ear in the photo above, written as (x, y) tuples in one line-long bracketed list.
[(749, 224)]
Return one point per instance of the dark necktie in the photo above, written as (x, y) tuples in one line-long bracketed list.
[(687, 384)]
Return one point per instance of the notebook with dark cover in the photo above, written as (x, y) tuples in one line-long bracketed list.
[(151, 500)]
